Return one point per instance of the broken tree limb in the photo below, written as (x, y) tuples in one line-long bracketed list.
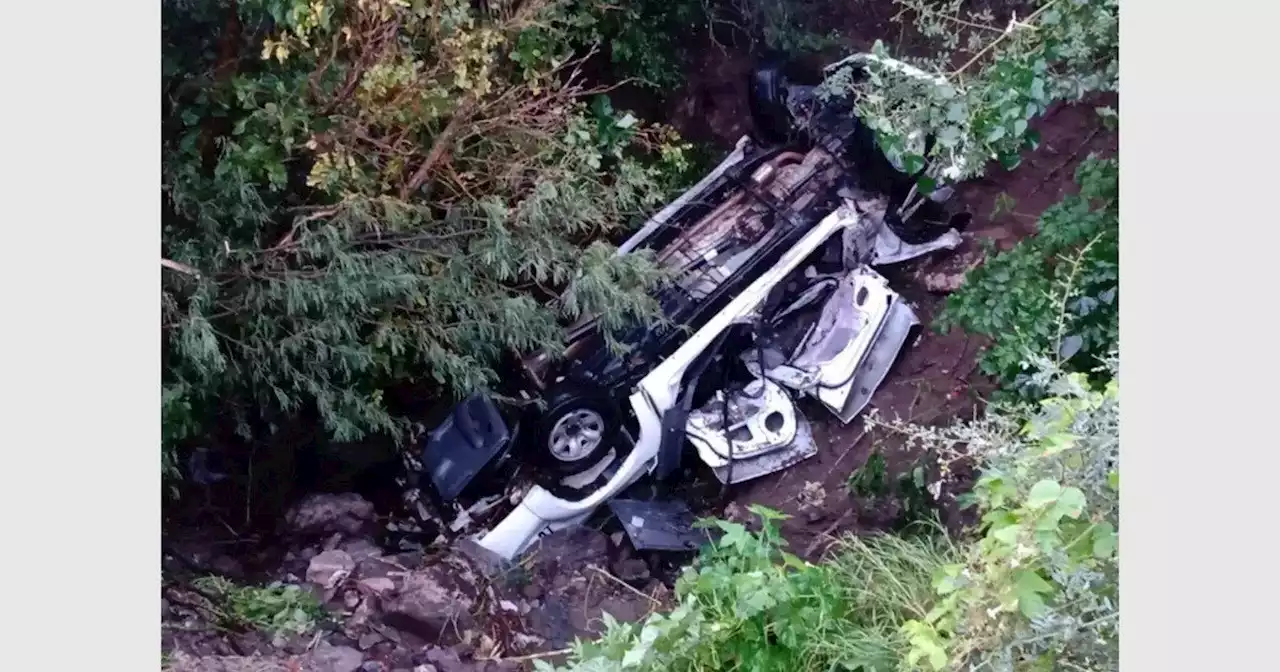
[(438, 150), (179, 267)]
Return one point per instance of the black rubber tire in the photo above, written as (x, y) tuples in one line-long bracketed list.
[(562, 403)]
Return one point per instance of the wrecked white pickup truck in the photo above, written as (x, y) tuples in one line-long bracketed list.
[(773, 297)]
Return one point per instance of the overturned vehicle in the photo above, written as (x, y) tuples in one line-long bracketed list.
[(773, 297)]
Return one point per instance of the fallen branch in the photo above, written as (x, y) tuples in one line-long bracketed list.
[(438, 150), (534, 656), (624, 584), (179, 267)]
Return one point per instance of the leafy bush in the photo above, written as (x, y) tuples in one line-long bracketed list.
[(916, 511), (364, 194), (275, 609), (748, 604), (1040, 588), (785, 26), (990, 76), (1057, 290), (646, 38)]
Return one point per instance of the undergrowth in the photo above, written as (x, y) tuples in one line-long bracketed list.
[(749, 604), (1056, 290), (275, 609), (872, 484)]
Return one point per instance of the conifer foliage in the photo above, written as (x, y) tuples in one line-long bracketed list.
[(360, 193)]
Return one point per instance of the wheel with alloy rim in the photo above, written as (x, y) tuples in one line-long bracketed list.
[(577, 431), (576, 435)]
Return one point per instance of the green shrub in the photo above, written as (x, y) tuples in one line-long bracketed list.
[(1039, 589), (1055, 290), (916, 512), (364, 195), (988, 77), (275, 609), (647, 38), (748, 604)]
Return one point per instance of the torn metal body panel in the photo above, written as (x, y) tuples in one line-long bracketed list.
[(659, 525)]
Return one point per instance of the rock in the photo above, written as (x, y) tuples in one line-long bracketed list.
[(372, 666), (357, 623), (942, 282), (329, 658), (321, 514), (413, 559), (361, 549), (489, 563), (227, 566), (950, 273), (378, 567), (183, 662), (631, 569), (444, 660), (323, 659), (425, 668), (429, 600), (380, 586), (368, 641), (342, 640), (295, 644), (567, 551), (329, 568)]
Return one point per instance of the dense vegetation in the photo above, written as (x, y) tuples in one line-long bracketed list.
[(1059, 287), (365, 194)]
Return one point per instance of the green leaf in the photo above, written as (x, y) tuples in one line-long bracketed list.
[(1043, 493), (912, 163), (1030, 589), (1031, 605), (949, 136), (1057, 443), (1105, 540), (1010, 160), (1037, 89), (735, 534), (1007, 534), (767, 513), (1071, 502)]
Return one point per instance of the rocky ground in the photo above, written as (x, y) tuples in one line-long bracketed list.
[(443, 613)]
